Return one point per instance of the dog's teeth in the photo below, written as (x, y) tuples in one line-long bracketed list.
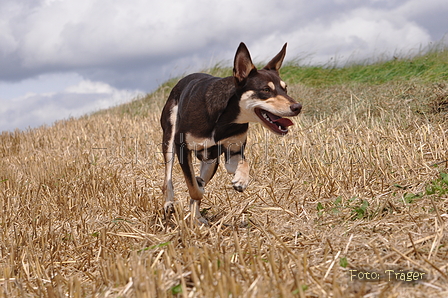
[(265, 116)]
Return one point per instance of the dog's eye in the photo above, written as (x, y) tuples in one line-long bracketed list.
[(266, 89)]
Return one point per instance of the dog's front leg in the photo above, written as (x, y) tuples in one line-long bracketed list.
[(237, 164), (168, 190), (195, 184), (208, 169)]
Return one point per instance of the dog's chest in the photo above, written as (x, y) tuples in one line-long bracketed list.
[(197, 143)]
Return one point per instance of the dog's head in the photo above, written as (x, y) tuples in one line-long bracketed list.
[(263, 94)]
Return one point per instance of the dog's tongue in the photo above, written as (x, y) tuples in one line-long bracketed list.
[(285, 122)]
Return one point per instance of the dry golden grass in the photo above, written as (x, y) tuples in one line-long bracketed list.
[(346, 189)]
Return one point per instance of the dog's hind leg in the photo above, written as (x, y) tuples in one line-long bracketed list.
[(169, 129), (195, 184)]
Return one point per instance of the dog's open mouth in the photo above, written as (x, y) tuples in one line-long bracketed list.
[(276, 123)]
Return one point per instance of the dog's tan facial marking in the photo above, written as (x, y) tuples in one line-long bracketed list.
[(283, 84), (271, 85), (279, 104)]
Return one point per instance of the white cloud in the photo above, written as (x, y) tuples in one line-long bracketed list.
[(34, 109), (89, 87), (358, 34), (45, 83)]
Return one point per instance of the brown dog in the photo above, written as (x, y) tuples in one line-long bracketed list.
[(210, 116)]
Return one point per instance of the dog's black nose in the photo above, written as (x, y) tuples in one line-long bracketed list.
[(296, 108)]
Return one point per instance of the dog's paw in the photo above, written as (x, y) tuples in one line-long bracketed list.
[(202, 221), (240, 181), (168, 208)]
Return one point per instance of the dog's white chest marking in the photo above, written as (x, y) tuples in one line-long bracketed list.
[(198, 144), (195, 143)]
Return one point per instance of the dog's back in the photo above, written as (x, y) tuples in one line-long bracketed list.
[(202, 101)]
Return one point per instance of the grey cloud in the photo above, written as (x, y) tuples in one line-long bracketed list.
[(104, 37), (138, 44)]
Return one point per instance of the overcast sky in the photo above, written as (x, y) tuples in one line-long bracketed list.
[(63, 58)]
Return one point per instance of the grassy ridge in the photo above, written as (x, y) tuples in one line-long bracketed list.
[(431, 67), (359, 183)]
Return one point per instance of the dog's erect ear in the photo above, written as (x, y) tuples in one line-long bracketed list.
[(242, 65), (277, 61)]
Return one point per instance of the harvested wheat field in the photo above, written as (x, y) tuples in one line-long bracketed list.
[(353, 202)]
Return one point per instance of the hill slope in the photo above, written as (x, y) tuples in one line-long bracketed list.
[(358, 184)]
